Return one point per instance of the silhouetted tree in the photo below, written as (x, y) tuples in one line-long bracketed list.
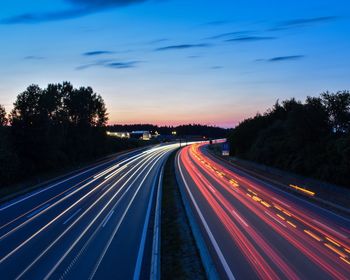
[(3, 116), (310, 138), (53, 127), (8, 158), (338, 108)]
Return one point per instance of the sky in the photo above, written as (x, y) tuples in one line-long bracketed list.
[(171, 62)]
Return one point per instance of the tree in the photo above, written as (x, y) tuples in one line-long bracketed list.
[(27, 106), (85, 108), (57, 125), (338, 108), (3, 116), (310, 138)]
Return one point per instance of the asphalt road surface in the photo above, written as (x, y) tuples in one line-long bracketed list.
[(95, 224), (254, 230)]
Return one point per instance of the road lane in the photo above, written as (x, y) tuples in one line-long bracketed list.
[(258, 232), (81, 228)]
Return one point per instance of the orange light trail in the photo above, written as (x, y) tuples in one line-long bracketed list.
[(200, 166)]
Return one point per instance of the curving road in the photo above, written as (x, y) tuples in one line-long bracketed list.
[(94, 224), (254, 230)]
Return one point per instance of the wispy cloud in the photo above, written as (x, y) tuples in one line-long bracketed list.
[(33, 57), (193, 56), (250, 39), (79, 8), (157, 41), (183, 46), (282, 58), (122, 65), (216, 67), (96, 53), (110, 64), (303, 22), (228, 34)]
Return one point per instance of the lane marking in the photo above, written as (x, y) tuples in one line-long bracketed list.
[(314, 236), (141, 250), (72, 216), (116, 171), (31, 194), (95, 232), (106, 171), (49, 187), (105, 187), (121, 220), (61, 200), (56, 218), (293, 225), (335, 250), (38, 210), (155, 260), (206, 227), (281, 217), (278, 221), (345, 260), (332, 241), (330, 229), (107, 218), (83, 214), (239, 218)]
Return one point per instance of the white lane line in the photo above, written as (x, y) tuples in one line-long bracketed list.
[(5, 206), (54, 219), (239, 218), (95, 232), (59, 201), (117, 171), (84, 247), (206, 226), (106, 186), (233, 211), (106, 171), (19, 200), (330, 229), (72, 216), (38, 210), (51, 206), (138, 265), (278, 221), (107, 218), (155, 261), (120, 222), (83, 214), (281, 202), (69, 192)]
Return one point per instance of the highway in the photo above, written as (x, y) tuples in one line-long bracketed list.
[(254, 230), (93, 224)]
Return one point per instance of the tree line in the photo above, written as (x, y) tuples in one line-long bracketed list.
[(52, 128), (181, 130), (311, 138)]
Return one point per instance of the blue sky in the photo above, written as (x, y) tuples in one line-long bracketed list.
[(175, 61)]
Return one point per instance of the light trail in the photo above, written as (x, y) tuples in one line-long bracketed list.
[(133, 171), (302, 232)]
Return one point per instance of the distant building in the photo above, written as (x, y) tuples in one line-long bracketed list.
[(143, 135), (119, 134)]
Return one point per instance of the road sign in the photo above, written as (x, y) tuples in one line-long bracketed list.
[(225, 149)]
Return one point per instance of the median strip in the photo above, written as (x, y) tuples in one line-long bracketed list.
[(179, 255)]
